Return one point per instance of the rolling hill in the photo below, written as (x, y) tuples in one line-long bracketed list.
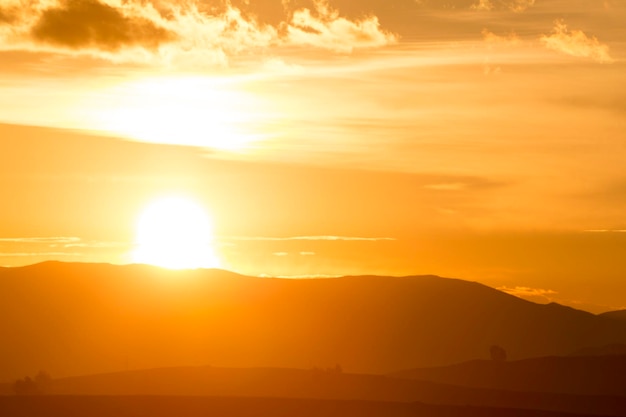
[(578, 375), (319, 385), (140, 406), (617, 315), (73, 319)]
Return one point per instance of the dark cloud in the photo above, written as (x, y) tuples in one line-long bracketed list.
[(611, 103), (89, 23), (6, 16)]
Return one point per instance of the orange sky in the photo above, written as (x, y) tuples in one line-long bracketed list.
[(480, 139)]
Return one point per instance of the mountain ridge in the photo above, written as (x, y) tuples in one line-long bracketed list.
[(87, 318)]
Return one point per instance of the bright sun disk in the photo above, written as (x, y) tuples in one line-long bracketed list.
[(175, 233)]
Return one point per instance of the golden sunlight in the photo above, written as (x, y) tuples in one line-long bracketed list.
[(190, 111), (175, 233)]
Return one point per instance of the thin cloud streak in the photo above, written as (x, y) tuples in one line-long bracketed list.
[(37, 254), (43, 240), (535, 295), (313, 238), (64, 241)]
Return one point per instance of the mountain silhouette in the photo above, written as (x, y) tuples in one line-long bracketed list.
[(617, 315), (73, 319)]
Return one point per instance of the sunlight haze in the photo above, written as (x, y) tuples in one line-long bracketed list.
[(481, 140)]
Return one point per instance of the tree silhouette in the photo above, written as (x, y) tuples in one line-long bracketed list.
[(26, 386), (29, 386), (497, 353), (43, 381)]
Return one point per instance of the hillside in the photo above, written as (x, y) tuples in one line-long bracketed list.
[(241, 407), (617, 315), (72, 319), (320, 385), (579, 375)]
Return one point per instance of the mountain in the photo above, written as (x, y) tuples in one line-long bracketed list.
[(73, 319), (320, 385), (580, 375), (617, 315)]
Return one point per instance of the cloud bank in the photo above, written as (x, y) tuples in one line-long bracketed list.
[(88, 23), (140, 30)]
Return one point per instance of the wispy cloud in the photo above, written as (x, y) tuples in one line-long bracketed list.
[(42, 240), (533, 294), (37, 254), (63, 241), (509, 39), (576, 43), (303, 276), (453, 186), (516, 6), (327, 29), (483, 5), (519, 6), (322, 238), (605, 231)]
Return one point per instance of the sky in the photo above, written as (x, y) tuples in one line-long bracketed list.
[(476, 139)]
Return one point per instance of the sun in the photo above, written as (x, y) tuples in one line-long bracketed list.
[(175, 232)]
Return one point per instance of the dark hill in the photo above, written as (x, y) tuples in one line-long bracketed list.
[(583, 375), (321, 385), (88, 318), (607, 350), (125, 406), (617, 315)]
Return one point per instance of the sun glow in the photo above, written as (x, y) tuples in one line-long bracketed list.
[(175, 233), (190, 111)]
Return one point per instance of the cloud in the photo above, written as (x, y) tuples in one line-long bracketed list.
[(323, 238), (280, 253), (183, 33), (327, 29), (532, 294), (519, 6), (303, 276), (605, 231), (576, 43), (453, 186), (62, 242), (89, 23), (307, 253), (492, 38), (516, 6), (483, 5), (42, 240), (6, 16), (36, 254)]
